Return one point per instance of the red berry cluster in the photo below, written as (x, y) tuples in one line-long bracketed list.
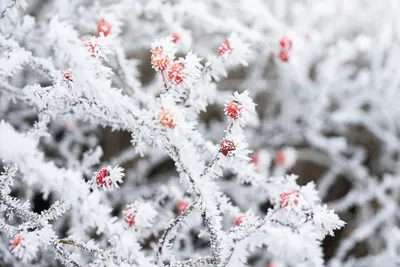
[(226, 146), (234, 109), (159, 60), (286, 45), (165, 117)]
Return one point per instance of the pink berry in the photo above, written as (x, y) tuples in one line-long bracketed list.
[(283, 56), (239, 220), (175, 37), (129, 216), (288, 199), (159, 60), (166, 118), (225, 48), (182, 205), (280, 158), (286, 43), (226, 146)]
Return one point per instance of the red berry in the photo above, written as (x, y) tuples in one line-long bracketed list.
[(286, 43), (159, 60), (166, 118), (283, 55), (225, 48), (255, 157), (239, 220), (104, 26), (175, 37), (271, 265), (15, 242), (233, 108), (226, 146), (182, 205), (102, 178), (175, 74), (289, 199), (280, 158), (129, 216)]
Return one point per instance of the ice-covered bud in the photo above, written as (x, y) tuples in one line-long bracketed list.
[(16, 241), (162, 53), (254, 159), (103, 26), (285, 158), (239, 220), (182, 205), (226, 147), (68, 78), (289, 199), (233, 109), (225, 48), (242, 108), (166, 118), (175, 74), (175, 37), (286, 43), (284, 56), (234, 50), (109, 178), (129, 215), (98, 47)]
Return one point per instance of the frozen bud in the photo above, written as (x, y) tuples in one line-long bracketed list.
[(182, 205), (286, 43), (104, 26), (284, 56), (175, 74), (98, 47), (175, 37), (92, 46), (225, 48), (108, 177), (233, 109), (15, 242), (68, 78), (129, 215), (254, 159), (166, 118), (226, 147), (289, 199), (285, 158), (159, 59), (239, 220)]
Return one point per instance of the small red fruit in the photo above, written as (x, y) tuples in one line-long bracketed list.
[(166, 118), (283, 55), (175, 37), (129, 216), (288, 199), (102, 178), (104, 26), (286, 43), (225, 48), (234, 109), (226, 146), (239, 220), (159, 60), (182, 205), (280, 158), (175, 74), (16, 241)]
